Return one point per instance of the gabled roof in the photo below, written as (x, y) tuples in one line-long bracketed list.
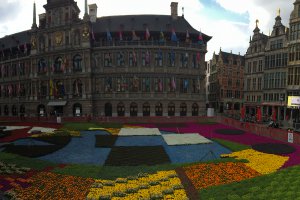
[(226, 56), (154, 23), (15, 39)]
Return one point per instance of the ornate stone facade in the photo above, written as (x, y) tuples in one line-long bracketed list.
[(135, 65)]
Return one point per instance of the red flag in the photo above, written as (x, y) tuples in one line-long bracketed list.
[(200, 38), (120, 36), (198, 56)]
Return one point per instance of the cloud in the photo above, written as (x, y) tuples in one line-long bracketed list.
[(229, 22), (9, 9)]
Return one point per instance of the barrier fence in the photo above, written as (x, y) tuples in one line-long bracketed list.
[(262, 129)]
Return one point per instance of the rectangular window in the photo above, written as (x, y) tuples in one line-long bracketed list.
[(260, 65), (259, 84), (107, 60)]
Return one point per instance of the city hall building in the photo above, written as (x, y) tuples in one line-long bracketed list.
[(133, 65)]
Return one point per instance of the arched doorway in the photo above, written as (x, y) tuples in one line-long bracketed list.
[(22, 111), (41, 110), (77, 110), (6, 112), (158, 109), (171, 109), (133, 109), (183, 109), (108, 109), (14, 110), (121, 109), (195, 110), (146, 109)]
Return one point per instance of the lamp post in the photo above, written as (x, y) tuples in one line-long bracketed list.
[(232, 105), (281, 100)]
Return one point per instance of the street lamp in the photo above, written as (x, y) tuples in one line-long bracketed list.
[(281, 100), (232, 105)]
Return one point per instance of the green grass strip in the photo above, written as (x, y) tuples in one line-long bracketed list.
[(233, 146), (113, 172), (9, 158), (279, 185)]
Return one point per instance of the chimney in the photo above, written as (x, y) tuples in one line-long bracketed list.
[(93, 12), (174, 10)]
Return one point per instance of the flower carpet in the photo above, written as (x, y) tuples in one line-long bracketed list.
[(136, 146)]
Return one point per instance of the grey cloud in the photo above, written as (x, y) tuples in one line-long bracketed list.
[(9, 10)]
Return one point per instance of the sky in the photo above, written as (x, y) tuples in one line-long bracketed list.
[(229, 22)]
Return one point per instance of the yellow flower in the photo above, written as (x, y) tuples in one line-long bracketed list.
[(261, 162)]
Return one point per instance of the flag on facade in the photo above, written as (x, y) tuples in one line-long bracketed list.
[(19, 88), (186, 84), (120, 36), (173, 84), (198, 84), (161, 37), (25, 48), (173, 36), (198, 56), (160, 55), (2, 70), (172, 56), (134, 57), (51, 87), (108, 36), (200, 38), (76, 87), (147, 34), (92, 34), (160, 85), (134, 36), (9, 89), (147, 57), (187, 37)]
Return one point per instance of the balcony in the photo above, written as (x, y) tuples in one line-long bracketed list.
[(152, 43)]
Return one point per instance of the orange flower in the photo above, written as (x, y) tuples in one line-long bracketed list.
[(212, 174)]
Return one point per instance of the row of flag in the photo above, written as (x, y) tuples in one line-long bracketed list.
[(147, 36), (21, 49), (13, 89), (135, 83)]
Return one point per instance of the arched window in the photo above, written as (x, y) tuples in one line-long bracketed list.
[(77, 63), (133, 109), (77, 88), (22, 109), (43, 89), (158, 109), (59, 65), (6, 111), (41, 110), (195, 109), (42, 66), (14, 110), (171, 109), (77, 37), (146, 109), (183, 109), (121, 109), (77, 110)]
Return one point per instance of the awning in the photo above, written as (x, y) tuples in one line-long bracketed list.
[(57, 103)]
